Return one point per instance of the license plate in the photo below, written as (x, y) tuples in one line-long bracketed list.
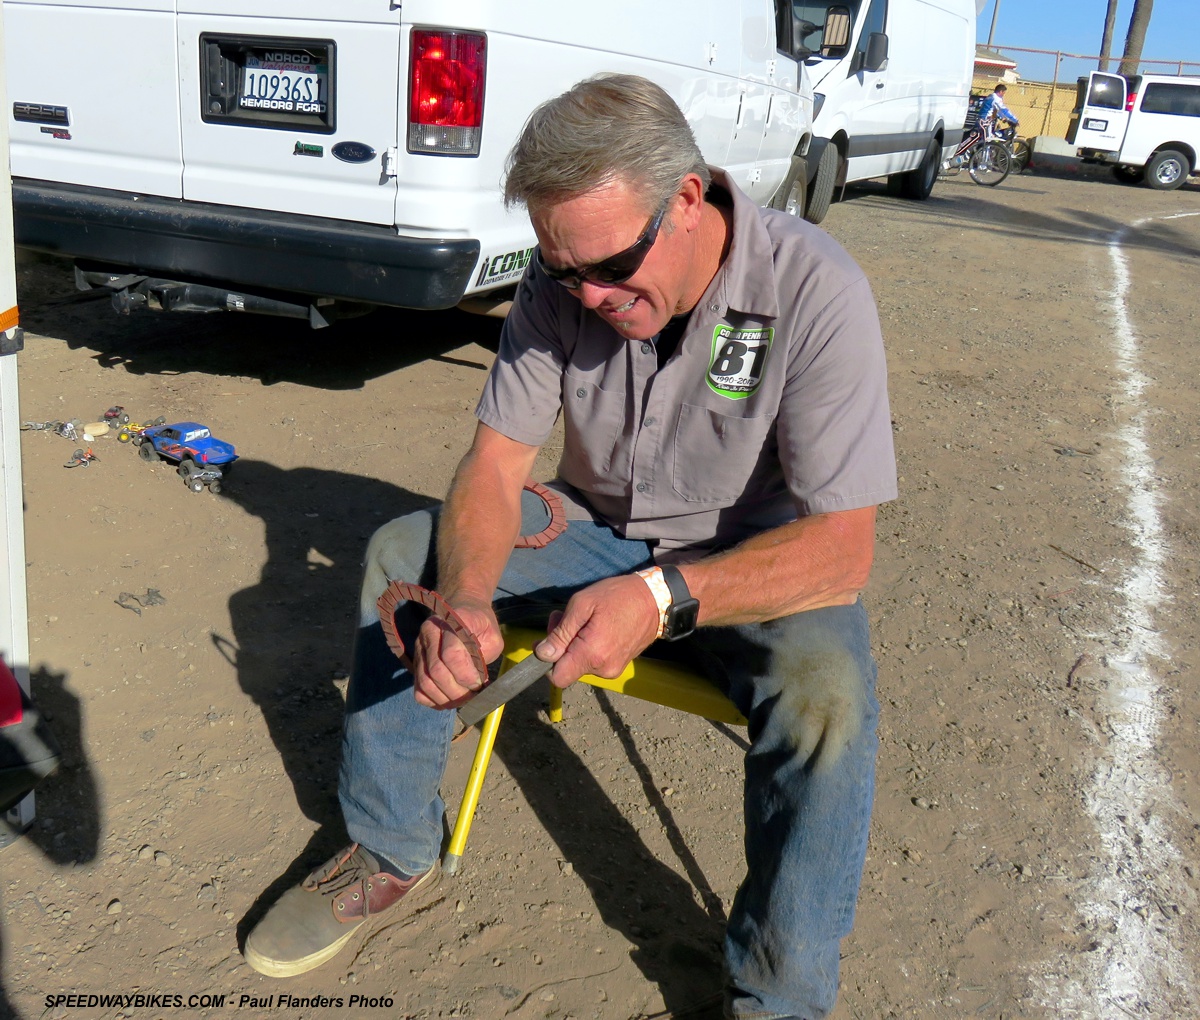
[(1092, 124), (284, 81)]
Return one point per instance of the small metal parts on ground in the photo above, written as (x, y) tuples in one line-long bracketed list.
[(81, 458), (127, 600), (40, 426)]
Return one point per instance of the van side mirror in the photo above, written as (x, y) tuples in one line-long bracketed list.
[(835, 38), (877, 51)]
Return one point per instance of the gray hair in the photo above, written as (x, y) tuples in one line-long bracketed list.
[(606, 128)]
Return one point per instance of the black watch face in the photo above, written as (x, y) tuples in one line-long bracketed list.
[(681, 619)]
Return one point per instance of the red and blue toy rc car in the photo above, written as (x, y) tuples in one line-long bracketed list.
[(202, 458)]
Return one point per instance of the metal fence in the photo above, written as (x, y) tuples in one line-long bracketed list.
[(1043, 94)]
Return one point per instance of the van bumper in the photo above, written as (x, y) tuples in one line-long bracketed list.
[(250, 248)]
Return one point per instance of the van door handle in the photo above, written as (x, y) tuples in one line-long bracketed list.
[(879, 84)]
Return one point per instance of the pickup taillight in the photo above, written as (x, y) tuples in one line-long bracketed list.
[(446, 73)]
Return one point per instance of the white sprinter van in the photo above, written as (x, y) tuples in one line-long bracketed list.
[(304, 157), (1146, 126), (891, 82)]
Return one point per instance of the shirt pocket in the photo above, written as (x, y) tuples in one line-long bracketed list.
[(716, 454), (593, 423)]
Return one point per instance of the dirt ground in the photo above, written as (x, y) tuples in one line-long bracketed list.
[(1034, 843)]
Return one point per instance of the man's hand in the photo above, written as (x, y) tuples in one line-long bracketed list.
[(605, 626), (444, 676)]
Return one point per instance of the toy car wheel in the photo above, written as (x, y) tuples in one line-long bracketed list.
[(124, 436), (123, 419), (160, 420), (195, 484), (214, 487), (184, 472), (147, 452)]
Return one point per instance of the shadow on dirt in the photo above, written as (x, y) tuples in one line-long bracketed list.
[(67, 827), (246, 346), (293, 630), (974, 209), (677, 942), (293, 636)]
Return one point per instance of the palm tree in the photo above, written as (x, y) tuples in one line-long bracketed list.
[(1138, 22), (1110, 20)]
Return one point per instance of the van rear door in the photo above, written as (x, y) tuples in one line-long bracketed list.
[(94, 93), (292, 113), (1100, 119)]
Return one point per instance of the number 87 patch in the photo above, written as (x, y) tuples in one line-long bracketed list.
[(738, 359)]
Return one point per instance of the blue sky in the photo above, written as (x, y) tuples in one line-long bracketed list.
[(1076, 26)]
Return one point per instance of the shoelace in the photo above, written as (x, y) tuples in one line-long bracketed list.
[(343, 873)]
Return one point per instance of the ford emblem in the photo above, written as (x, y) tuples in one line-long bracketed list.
[(353, 152)]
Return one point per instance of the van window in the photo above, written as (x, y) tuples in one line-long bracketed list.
[(1164, 97), (1108, 92), (810, 18), (875, 21)]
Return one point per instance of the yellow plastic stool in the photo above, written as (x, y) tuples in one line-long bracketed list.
[(662, 683)]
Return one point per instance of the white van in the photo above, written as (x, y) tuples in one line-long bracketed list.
[(1147, 126), (286, 158), (891, 81)]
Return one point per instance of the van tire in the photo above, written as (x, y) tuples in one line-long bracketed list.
[(917, 184), (821, 192), (1167, 170), (794, 189)]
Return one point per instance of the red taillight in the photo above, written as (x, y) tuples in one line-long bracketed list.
[(446, 74), (1130, 101)]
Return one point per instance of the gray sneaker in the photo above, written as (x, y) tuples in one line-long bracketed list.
[(313, 920)]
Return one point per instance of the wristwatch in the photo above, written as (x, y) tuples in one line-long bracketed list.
[(681, 616)]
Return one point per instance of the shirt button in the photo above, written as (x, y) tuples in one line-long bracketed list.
[(714, 308), (650, 421), (641, 486), (646, 348), (581, 392)]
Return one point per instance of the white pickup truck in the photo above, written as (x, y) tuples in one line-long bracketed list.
[(298, 159)]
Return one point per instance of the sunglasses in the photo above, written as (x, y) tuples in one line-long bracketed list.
[(616, 268)]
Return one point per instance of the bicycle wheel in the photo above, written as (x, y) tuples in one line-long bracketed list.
[(1020, 154), (990, 164)]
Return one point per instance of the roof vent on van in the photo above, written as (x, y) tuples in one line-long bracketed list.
[(445, 91)]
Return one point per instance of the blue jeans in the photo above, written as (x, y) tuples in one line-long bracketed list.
[(806, 814)]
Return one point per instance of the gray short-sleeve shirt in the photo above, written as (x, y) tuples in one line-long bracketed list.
[(773, 405)]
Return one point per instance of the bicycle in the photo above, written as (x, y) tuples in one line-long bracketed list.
[(1021, 152), (988, 159)]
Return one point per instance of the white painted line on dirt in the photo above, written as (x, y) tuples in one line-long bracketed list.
[(1138, 968)]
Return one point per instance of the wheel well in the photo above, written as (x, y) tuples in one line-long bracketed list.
[(1183, 147), (842, 143)]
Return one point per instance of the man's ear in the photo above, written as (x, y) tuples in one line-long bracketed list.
[(691, 194)]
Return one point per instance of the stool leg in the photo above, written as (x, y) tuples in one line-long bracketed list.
[(555, 711), (470, 801)]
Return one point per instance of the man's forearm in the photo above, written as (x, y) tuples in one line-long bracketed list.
[(817, 561), (481, 518)]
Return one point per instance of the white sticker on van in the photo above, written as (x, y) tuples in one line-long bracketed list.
[(501, 268)]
